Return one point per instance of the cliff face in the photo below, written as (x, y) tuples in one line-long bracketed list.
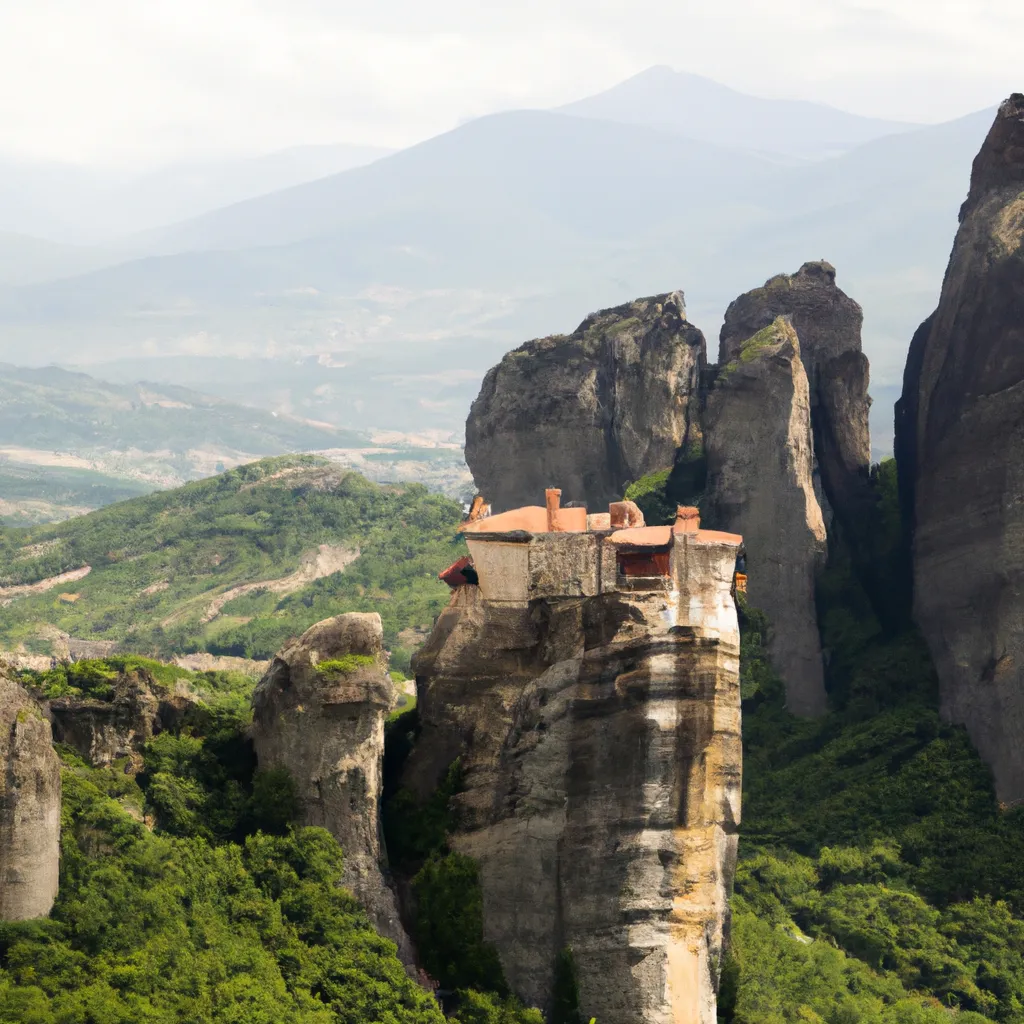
[(960, 442), (29, 807), (828, 323), (319, 711), (104, 731), (760, 466), (593, 410), (596, 712)]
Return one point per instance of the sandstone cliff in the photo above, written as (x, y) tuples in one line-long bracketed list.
[(589, 683), (319, 711), (760, 464), (828, 324), (29, 807), (960, 444), (590, 411)]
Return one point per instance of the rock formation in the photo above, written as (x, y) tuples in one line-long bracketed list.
[(118, 725), (828, 324), (29, 807), (593, 410), (760, 463), (319, 711), (960, 445), (589, 683)]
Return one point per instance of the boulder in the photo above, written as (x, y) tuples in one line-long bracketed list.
[(960, 446), (319, 712), (760, 467), (590, 411), (29, 807)]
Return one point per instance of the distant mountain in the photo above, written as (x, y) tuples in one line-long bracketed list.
[(84, 205), (702, 109), (28, 260), (70, 442), (377, 297), (52, 408)]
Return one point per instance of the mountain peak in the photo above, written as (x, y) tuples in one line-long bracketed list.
[(708, 111)]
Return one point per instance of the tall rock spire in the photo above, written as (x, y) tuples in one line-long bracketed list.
[(960, 446), (760, 466)]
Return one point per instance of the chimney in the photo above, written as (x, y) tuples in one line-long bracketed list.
[(687, 519), (553, 500)]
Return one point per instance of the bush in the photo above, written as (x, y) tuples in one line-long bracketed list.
[(450, 925), (160, 929)]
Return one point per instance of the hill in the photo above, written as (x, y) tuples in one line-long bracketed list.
[(70, 442), (232, 565), (702, 109)]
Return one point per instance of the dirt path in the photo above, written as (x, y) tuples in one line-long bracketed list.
[(9, 594), (325, 561)]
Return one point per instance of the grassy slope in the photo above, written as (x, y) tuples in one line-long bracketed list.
[(251, 524)]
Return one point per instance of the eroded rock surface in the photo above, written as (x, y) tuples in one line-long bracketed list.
[(828, 323), (118, 725), (319, 711), (760, 466), (960, 445), (591, 411), (597, 718), (29, 807)]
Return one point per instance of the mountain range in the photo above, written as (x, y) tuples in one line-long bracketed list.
[(396, 284)]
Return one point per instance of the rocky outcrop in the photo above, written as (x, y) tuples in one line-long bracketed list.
[(828, 323), (118, 724), (29, 807), (593, 410), (960, 444), (760, 464), (319, 711), (589, 684)]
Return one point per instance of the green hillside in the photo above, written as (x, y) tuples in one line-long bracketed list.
[(187, 895), (234, 564)]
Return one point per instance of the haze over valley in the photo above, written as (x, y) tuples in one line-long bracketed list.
[(376, 297)]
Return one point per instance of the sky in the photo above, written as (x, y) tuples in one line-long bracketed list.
[(137, 83)]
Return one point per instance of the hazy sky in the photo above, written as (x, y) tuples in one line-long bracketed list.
[(142, 81)]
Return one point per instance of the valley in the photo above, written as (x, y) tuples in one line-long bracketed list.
[(416, 608)]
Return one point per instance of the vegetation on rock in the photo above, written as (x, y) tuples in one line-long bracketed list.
[(187, 894)]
